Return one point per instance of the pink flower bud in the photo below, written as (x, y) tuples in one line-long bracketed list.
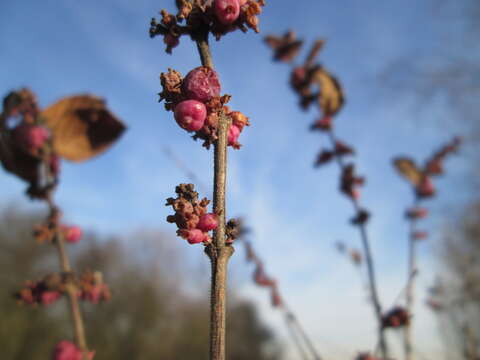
[(93, 295), (208, 222), (30, 137), (233, 134), (426, 188), (73, 234), (190, 115), (49, 297), (417, 213), (171, 41), (201, 84), (227, 11), (195, 236), (66, 350)]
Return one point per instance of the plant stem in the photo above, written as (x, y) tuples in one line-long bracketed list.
[(218, 251), (377, 307), (409, 293), (71, 290)]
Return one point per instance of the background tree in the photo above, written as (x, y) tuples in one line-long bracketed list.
[(154, 313)]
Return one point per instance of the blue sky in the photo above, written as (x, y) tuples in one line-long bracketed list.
[(102, 47)]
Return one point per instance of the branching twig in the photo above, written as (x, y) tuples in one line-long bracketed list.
[(368, 259)]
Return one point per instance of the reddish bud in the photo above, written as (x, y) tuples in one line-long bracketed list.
[(66, 350), (171, 41), (233, 134), (323, 124), (30, 137), (194, 236), (72, 234), (417, 213), (227, 11), (239, 119), (420, 235), (201, 84), (425, 188), (190, 115), (49, 297), (208, 222)]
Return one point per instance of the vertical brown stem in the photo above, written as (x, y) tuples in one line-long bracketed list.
[(409, 295), (218, 251), (377, 307), (71, 290)]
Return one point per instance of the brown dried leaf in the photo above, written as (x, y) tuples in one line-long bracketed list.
[(407, 168), (82, 127), (331, 96)]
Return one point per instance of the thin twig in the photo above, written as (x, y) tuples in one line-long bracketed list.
[(218, 251), (368, 259), (71, 290), (410, 288)]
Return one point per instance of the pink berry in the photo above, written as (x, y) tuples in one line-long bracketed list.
[(227, 11), (93, 295), (171, 41), (196, 236), (30, 137), (49, 297), (208, 222), (73, 234), (233, 134), (201, 84), (426, 188), (190, 115), (66, 350)]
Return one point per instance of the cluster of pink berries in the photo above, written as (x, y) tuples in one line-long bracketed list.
[(35, 293), (350, 182), (30, 138), (197, 104), (48, 231), (191, 216), (218, 17), (434, 167), (395, 318), (66, 350), (92, 288)]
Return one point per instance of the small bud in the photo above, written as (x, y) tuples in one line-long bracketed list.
[(233, 134), (190, 115), (171, 42), (201, 84), (66, 350), (194, 236), (239, 119), (72, 234), (227, 11), (417, 213), (420, 235), (208, 222), (49, 297), (425, 188), (30, 137)]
